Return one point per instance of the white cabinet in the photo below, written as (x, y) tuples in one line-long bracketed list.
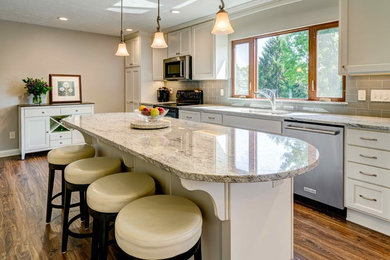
[(209, 53), (37, 133), (40, 128), (189, 115), (133, 47), (133, 87), (257, 124), (158, 57), (364, 37), (367, 178), (179, 43)]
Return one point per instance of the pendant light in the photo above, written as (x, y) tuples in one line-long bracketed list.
[(122, 50), (159, 40), (222, 24)]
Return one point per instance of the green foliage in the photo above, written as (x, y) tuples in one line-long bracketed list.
[(36, 87)]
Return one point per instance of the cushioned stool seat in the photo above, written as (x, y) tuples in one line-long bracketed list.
[(158, 227), (68, 154), (88, 170), (111, 193)]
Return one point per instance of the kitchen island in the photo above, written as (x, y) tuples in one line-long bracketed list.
[(241, 179)]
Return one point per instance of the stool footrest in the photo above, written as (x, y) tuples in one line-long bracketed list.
[(74, 234)]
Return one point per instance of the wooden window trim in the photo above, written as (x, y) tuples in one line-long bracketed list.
[(312, 73)]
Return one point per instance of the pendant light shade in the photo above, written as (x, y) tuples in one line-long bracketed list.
[(122, 50), (222, 23), (159, 40)]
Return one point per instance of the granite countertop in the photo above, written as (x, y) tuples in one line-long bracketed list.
[(204, 152), (56, 104), (361, 122)]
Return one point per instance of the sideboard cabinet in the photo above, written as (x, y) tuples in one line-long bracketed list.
[(40, 127)]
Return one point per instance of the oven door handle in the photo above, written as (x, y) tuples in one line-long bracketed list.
[(312, 130)]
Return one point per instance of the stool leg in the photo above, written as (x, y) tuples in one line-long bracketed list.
[(82, 207), (198, 253), (65, 225), (50, 185), (103, 237), (95, 239), (63, 187)]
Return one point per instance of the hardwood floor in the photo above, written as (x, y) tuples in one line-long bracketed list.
[(24, 234)]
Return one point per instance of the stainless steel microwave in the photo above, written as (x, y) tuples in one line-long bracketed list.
[(178, 68)]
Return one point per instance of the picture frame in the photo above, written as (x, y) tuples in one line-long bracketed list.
[(65, 88)]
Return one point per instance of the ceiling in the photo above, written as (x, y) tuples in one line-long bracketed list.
[(102, 16)]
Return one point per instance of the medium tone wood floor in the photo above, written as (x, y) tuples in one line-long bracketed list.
[(24, 234)]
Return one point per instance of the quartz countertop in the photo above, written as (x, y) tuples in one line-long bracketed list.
[(361, 122), (56, 104), (203, 152)]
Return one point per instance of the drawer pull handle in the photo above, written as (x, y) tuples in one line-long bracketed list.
[(43, 112), (368, 139), (189, 117), (60, 142), (60, 136), (77, 110), (211, 118), (368, 174), (363, 197), (368, 157)]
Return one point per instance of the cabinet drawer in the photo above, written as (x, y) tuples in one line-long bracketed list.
[(76, 110), (58, 143), (189, 115), (368, 156), (369, 174), (49, 111), (60, 136), (368, 198), (377, 140), (211, 118), (256, 124)]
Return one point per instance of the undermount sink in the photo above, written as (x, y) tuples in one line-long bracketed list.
[(265, 111)]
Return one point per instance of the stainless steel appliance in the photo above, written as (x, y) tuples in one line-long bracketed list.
[(178, 68), (325, 183), (183, 98), (163, 94)]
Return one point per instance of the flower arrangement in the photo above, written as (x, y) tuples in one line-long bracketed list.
[(36, 87)]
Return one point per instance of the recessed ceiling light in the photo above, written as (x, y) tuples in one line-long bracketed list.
[(62, 18), (175, 11), (129, 30)]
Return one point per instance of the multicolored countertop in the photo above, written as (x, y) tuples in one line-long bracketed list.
[(203, 152)]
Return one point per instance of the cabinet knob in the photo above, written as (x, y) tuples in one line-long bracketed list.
[(47, 132), (60, 142), (177, 53), (43, 112), (77, 110)]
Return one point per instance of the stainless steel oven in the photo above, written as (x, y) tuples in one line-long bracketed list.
[(178, 68)]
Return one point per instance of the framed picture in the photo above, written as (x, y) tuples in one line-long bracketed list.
[(65, 88)]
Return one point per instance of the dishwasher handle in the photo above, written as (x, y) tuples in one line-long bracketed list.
[(312, 130)]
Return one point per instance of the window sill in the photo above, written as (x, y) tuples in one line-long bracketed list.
[(283, 101)]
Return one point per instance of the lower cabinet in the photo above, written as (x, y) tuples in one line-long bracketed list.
[(40, 128), (257, 124)]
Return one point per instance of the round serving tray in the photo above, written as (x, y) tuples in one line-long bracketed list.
[(159, 124)]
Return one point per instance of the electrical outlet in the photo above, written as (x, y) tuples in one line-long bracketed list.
[(380, 95), (222, 92), (362, 95), (12, 135)]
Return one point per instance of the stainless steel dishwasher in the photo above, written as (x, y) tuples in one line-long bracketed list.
[(325, 183)]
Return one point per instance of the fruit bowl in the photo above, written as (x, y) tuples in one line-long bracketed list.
[(151, 114)]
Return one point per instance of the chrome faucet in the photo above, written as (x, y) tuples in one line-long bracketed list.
[(269, 95)]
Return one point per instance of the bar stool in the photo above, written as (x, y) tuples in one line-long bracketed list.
[(78, 176), (107, 196), (160, 227), (58, 159)]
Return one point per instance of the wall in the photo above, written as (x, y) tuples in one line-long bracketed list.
[(291, 16), (35, 51)]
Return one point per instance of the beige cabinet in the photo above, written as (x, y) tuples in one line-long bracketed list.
[(133, 88), (209, 53), (133, 47), (158, 57), (179, 43), (364, 37)]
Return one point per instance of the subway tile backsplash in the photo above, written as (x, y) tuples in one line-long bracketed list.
[(212, 95)]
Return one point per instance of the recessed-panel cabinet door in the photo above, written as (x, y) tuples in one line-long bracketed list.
[(137, 85), (37, 133), (185, 42), (174, 44), (129, 85)]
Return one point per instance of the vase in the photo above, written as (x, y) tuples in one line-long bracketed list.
[(37, 100)]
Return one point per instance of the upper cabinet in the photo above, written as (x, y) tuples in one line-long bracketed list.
[(179, 43), (133, 47), (364, 37), (209, 53)]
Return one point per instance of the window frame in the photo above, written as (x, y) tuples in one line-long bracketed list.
[(312, 66)]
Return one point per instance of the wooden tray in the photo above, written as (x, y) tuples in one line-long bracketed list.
[(150, 125)]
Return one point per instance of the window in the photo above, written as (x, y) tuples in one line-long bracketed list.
[(297, 64)]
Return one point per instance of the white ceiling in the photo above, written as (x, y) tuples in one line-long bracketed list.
[(102, 16)]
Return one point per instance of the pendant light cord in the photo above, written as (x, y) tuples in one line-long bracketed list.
[(158, 16), (222, 6), (121, 20)]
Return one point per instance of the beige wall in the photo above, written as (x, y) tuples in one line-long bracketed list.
[(35, 51)]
